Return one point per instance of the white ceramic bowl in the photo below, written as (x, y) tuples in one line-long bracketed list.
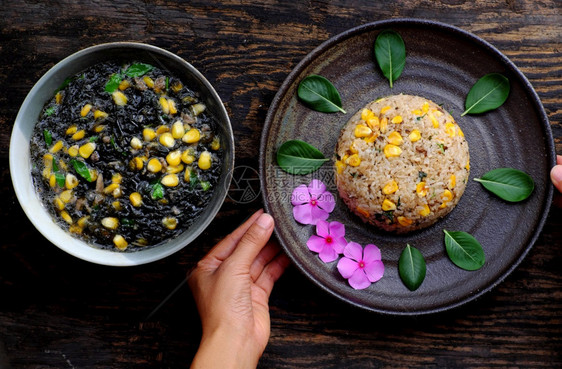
[(20, 165)]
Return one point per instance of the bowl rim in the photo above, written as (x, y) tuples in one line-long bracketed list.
[(38, 215)]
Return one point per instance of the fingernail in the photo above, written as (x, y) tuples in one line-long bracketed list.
[(265, 221), (556, 175)]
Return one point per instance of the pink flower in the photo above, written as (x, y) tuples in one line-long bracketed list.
[(330, 241), (312, 203), (359, 266)]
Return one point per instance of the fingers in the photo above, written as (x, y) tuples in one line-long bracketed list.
[(559, 159), (264, 257), (254, 240), (272, 272), (224, 248), (556, 176)]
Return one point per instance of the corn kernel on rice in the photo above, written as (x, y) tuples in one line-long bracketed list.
[(433, 158)]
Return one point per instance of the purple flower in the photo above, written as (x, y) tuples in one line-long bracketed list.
[(312, 203), (359, 266), (330, 241)]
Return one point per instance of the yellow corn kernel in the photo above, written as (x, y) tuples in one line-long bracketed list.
[(397, 119), (425, 107), (390, 187), (136, 143), (362, 131), (174, 158), (170, 222), (373, 122), (450, 129), (136, 199), (66, 217), (110, 223), (148, 81), (391, 151), (363, 212), (73, 150), (215, 144), (136, 163), (434, 120), (116, 178), (187, 175), (461, 133), (417, 112), (384, 124), (87, 149), (340, 166), (170, 180), (372, 138), (345, 157), (395, 138), (174, 169), (467, 166), (99, 128), (79, 135), (388, 205), (162, 129), (353, 149), (422, 189), (85, 110), (367, 114), (124, 84), (415, 135), (110, 188), (98, 114), (70, 181), (154, 165), (187, 157), (59, 204), (166, 139), (119, 98), (191, 136), (46, 173), (204, 160), (75, 228), (48, 160), (198, 108), (117, 205), (83, 222), (165, 105), (385, 109), (178, 130), (176, 87), (93, 174), (120, 242), (52, 180), (452, 182), (447, 196), (58, 98), (172, 107), (354, 160), (66, 196), (438, 112), (71, 130), (403, 221), (424, 211), (148, 134), (56, 147)]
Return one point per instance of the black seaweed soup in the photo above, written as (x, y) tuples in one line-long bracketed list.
[(125, 156)]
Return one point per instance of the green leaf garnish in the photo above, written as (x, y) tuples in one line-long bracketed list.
[(157, 191), (193, 179), (464, 250), (50, 111), (205, 185), (48, 137), (59, 176), (299, 157), (113, 83), (411, 267), (82, 169), (138, 69), (65, 83), (320, 94), (488, 93), (509, 184), (390, 53)]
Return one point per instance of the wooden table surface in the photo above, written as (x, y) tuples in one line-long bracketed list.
[(57, 311)]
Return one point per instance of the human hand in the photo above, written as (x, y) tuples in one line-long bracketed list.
[(231, 286), (556, 174)]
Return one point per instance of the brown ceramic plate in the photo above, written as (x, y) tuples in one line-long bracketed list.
[(442, 64)]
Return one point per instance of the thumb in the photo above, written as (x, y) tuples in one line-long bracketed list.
[(556, 177)]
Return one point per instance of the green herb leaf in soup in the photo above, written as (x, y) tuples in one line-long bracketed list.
[(82, 169), (48, 137), (138, 69), (509, 184), (59, 176), (390, 53), (157, 191), (464, 250), (320, 94), (488, 93), (411, 267), (299, 157)]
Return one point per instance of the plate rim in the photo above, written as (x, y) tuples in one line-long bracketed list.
[(332, 41)]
